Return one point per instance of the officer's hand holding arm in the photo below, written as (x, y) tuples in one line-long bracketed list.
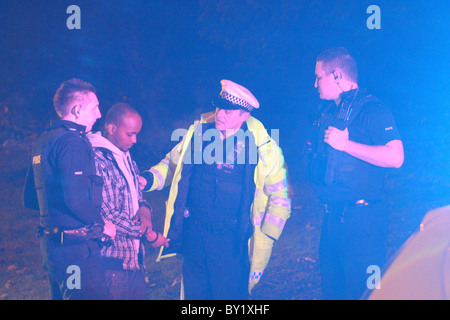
[(390, 155), (109, 229), (142, 183), (156, 239)]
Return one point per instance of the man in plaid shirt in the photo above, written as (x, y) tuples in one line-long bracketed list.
[(123, 204)]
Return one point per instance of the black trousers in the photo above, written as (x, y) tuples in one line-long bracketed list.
[(212, 267), (353, 241), (72, 265), (126, 285)]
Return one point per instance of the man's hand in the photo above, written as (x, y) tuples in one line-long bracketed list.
[(337, 139), (144, 215), (142, 183), (109, 229), (156, 239)]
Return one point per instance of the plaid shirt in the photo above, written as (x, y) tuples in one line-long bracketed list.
[(117, 207)]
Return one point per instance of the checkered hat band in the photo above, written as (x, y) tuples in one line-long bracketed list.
[(235, 100)]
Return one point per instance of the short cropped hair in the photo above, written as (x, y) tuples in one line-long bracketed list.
[(69, 91), (116, 113), (339, 58)]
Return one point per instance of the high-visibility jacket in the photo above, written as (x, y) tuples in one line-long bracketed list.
[(271, 205)]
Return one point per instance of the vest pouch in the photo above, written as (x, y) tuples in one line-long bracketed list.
[(96, 187)]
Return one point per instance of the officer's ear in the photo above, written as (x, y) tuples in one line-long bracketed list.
[(245, 115), (76, 110), (337, 74)]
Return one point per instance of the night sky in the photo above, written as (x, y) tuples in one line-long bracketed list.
[(167, 59)]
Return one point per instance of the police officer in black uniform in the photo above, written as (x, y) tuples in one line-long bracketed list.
[(357, 139), (69, 197)]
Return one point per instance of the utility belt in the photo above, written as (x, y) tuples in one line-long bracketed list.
[(341, 206), (75, 236)]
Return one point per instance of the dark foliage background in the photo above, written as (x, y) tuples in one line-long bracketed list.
[(167, 58)]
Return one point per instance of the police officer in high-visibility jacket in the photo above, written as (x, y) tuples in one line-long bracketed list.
[(228, 200)]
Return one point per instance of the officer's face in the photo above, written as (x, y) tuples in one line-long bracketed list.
[(230, 119), (326, 84), (89, 111), (124, 135)]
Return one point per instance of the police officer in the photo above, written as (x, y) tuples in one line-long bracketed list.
[(357, 140), (69, 196), (228, 186)]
